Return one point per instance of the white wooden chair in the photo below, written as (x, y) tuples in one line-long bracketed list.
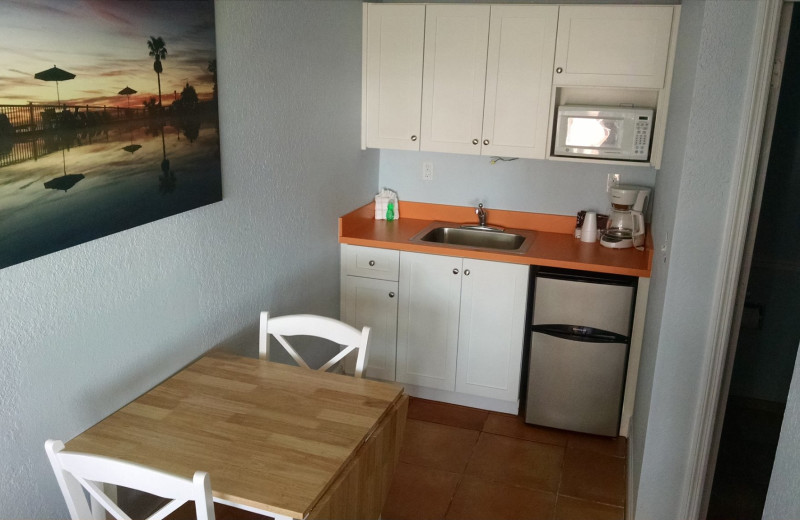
[(77, 472), (319, 326)]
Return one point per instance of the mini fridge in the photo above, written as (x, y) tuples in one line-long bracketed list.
[(579, 342)]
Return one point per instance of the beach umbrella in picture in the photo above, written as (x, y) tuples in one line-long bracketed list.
[(66, 181), (54, 74), (127, 91)]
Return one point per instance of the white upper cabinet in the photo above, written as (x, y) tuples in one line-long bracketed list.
[(518, 78), (392, 69), (485, 79), (454, 76), (613, 45)]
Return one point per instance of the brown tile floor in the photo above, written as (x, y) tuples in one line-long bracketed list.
[(463, 463)]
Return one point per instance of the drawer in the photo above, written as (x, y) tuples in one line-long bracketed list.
[(370, 262)]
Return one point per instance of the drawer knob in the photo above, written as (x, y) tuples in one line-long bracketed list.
[(372, 263), (455, 271), (413, 137), (391, 295), (474, 141), (466, 272), (485, 142)]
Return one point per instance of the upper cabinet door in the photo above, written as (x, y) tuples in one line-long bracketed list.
[(393, 75), (613, 46), (454, 77), (518, 78)]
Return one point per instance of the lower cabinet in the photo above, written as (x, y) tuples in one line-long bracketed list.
[(373, 303), (451, 325), (491, 332), (369, 297), (427, 321), (461, 324)]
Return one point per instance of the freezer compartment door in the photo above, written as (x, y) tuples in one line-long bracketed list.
[(575, 385), (596, 305)]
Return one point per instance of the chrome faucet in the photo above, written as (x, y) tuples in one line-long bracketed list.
[(481, 214)]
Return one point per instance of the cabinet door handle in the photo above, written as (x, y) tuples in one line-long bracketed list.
[(559, 70), (455, 271), (466, 272), (413, 137), (485, 142), (391, 295), (372, 263), (475, 141)]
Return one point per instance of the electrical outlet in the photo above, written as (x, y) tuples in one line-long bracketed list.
[(613, 180), (427, 171)]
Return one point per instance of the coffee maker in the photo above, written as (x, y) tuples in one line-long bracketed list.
[(625, 227)]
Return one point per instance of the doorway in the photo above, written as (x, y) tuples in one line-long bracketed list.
[(769, 330)]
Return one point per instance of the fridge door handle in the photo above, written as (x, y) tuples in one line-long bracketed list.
[(580, 333)]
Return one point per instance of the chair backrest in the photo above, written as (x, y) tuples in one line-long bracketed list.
[(77, 472), (319, 326)]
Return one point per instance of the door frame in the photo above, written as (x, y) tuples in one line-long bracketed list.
[(747, 257), (748, 164)]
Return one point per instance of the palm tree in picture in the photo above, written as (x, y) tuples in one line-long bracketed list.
[(158, 51)]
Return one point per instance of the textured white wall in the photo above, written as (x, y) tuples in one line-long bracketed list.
[(85, 330), (692, 200)]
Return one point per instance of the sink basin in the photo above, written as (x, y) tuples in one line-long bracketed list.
[(510, 241)]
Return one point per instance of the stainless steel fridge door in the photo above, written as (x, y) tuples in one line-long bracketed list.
[(575, 385), (597, 305)]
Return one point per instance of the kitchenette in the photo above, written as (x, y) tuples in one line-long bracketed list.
[(452, 286)]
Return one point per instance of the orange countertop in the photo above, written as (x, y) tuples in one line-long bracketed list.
[(553, 245)]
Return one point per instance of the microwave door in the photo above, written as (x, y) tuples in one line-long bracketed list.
[(593, 134)]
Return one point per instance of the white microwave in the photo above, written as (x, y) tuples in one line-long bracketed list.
[(603, 132)]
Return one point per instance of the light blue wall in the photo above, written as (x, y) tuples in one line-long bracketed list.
[(86, 330), (561, 188), (693, 196), (663, 221)]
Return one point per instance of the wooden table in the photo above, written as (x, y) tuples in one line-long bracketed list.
[(276, 439)]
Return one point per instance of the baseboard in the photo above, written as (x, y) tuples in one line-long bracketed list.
[(472, 401)]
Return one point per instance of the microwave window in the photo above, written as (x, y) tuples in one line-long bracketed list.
[(593, 132)]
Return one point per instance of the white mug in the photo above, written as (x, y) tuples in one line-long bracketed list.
[(589, 228)]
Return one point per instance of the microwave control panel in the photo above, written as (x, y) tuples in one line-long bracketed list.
[(641, 143)]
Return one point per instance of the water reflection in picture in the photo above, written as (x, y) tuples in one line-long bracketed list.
[(120, 131), (89, 184)]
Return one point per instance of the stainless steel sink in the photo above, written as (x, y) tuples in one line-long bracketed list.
[(454, 235)]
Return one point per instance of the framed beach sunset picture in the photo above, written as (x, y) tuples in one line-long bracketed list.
[(108, 119)]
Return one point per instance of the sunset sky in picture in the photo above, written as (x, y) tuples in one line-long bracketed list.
[(104, 43)]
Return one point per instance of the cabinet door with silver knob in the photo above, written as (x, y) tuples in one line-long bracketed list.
[(394, 43), (454, 77), (371, 302)]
